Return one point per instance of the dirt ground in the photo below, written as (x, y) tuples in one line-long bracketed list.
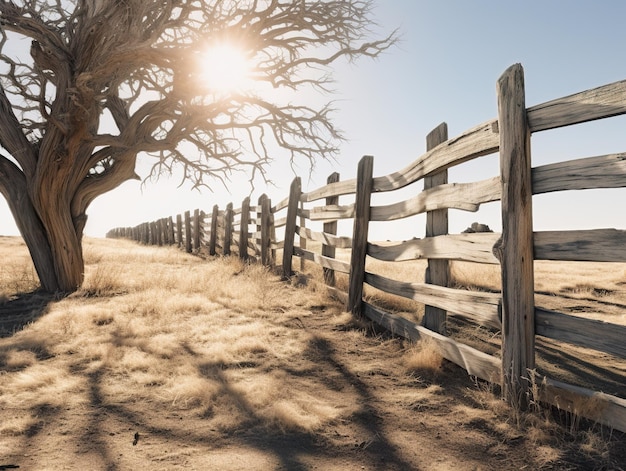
[(398, 421), (379, 411)]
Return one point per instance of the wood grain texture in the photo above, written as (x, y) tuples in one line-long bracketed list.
[(325, 238), (329, 229), (515, 248), (290, 225), (602, 102), (325, 262), (329, 212), (345, 187), (188, 243), (214, 228), (481, 140), (482, 308), (266, 225), (589, 333), (244, 229), (605, 171), (594, 245), (360, 234), (475, 362), (280, 222), (464, 196), (282, 204), (476, 247)]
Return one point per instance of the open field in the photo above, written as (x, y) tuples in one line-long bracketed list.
[(165, 361)]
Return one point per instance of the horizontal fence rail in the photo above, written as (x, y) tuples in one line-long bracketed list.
[(259, 232)]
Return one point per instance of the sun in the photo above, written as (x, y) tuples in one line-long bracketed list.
[(225, 68)]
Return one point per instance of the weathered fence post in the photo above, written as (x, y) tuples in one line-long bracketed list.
[(364, 184), (228, 228), (265, 205), (302, 238), (256, 236), (153, 233), (330, 228), (187, 232), (438, 271), (197, 230), (170, 224), (515, 247), (290, 225), (213, 236), (165, 228), (179, 231), (160, 231), (146, 233), (243, 228)]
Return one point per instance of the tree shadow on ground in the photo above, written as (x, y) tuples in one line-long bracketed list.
[(22, 309)]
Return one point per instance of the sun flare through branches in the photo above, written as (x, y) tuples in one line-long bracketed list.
[(225, 68)]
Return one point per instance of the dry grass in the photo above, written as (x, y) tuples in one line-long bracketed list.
[(227, 343), (145, 322)]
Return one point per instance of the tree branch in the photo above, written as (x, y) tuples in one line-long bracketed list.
[(13, 139)]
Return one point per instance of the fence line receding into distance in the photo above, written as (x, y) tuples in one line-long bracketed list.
[(511, 311)]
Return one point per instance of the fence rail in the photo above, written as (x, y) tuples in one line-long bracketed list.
[(251, 232)]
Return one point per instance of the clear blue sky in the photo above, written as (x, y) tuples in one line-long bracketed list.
[(444, 69)]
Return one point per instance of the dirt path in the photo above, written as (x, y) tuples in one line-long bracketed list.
[(106, 383), (393, 420)]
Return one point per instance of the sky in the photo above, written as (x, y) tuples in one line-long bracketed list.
[(444, 69)]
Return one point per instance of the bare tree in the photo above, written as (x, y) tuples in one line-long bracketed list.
[(106, 80)]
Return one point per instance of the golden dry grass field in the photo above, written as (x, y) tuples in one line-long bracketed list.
[(167, 361)]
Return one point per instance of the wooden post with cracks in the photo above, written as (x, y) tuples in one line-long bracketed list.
[(438, 271), (515, 247), (290, 225), (364, 184)]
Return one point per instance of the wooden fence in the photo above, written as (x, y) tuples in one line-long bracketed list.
[(251, 231)]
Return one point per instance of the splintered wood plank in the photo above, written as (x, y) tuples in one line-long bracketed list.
[(482, 308), (594, 245), (475, 362), (602, 102), (477, 247), (465, 196), (484, 139), (605, 171)]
